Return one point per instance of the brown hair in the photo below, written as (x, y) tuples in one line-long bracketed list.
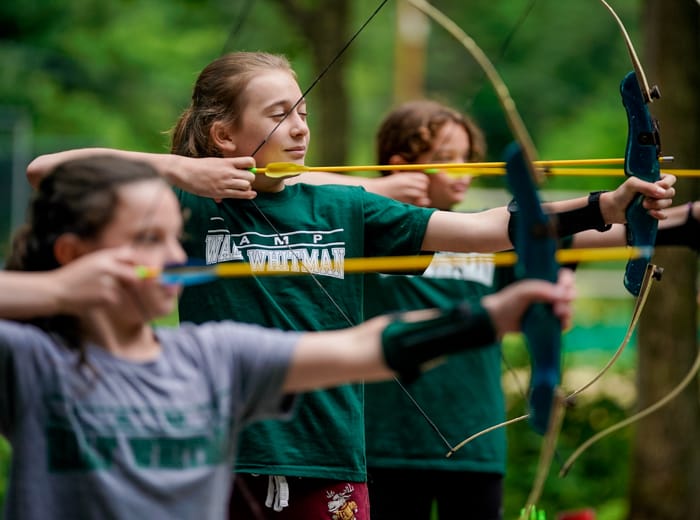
[(410, 129), (218, 96), (78, 197)]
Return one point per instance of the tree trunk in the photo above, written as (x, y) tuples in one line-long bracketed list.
[(326, 27), (666, 459)]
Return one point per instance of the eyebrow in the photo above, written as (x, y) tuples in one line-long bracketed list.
[(296, 103)]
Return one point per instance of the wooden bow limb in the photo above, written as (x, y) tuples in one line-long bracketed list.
[(690, 376), (649, 94), (651, 275), (549, 446)]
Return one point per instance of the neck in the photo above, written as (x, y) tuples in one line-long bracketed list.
[(268, 185), (131, 341)]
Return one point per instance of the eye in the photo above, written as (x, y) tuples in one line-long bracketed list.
[(148, 238), (447, 157)]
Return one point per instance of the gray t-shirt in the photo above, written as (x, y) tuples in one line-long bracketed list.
[(152, 440)]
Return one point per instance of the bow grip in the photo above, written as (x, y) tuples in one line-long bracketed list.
[(536, 247), (641, 160)]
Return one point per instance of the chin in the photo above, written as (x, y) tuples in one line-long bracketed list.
[(161, 307)]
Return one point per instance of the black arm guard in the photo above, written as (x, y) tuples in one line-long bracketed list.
[(687, 234), (568, 222), (407, 346)]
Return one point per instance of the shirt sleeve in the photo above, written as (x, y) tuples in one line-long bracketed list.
[(256, 360), (393, 227), (19, 367)]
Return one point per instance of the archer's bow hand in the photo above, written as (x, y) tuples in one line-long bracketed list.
[(508, 306), (657, 197)]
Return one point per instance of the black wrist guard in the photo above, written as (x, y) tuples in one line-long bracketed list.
[(407, 346), (687, 234), (582, 219), (569, 222)]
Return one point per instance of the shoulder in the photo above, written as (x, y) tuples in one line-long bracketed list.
[(17, 331), (333, 190), (191, 200), (25, 340)]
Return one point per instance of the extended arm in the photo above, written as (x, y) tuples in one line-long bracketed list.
[(681, 227), (487, 231), (373, 352)]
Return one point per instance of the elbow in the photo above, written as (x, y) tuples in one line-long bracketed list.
[(37, 170)]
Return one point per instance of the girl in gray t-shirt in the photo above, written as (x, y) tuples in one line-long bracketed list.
[(110, 418)]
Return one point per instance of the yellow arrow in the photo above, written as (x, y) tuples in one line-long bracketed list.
[(386, 264), (287, 169)]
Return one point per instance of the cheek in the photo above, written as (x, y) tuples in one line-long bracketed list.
[(440, 183), (154, 257), (248, 137)]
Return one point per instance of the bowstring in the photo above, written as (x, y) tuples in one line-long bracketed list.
[(315, 279), (321, 74), (241, 20), (504, 47)]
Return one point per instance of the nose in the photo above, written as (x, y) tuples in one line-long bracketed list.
[(175, 253), (299, 127)]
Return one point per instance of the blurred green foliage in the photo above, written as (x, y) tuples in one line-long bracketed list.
[(4, 470), (118, 73)]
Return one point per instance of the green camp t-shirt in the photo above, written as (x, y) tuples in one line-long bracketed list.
[(462, 396), (302, 228)]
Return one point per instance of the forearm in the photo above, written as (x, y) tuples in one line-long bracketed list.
[(164, 164), (614, 237), (405, 344), (492, 230), (561, 206), (215, 177), (677, 216), (26, 295), (680, 228), (410, 342)]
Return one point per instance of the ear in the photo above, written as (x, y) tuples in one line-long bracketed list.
[(67, 248), (222, 138), (397, 159)]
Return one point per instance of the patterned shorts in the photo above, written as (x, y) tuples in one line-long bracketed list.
[(305, 498)]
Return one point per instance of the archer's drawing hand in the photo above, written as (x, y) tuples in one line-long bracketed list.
[(93, 280), (657, 197), (410, 187), (215, 177), (508, 306)]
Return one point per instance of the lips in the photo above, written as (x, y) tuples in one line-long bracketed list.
[(296, 153)]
